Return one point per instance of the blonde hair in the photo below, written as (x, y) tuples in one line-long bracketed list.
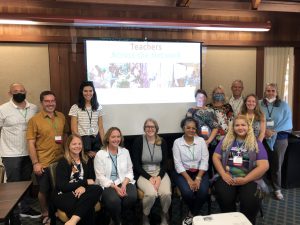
[(250, 140), (67, 155), (220, 87), (107, 135), (157, 138)]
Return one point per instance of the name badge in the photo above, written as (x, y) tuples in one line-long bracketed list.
[(58, 139), (238, 160), (193, 166), (205, 130), (91, 130), (152, 167), (270, 123)]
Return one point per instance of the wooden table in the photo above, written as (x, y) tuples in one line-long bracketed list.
[(10, 194)]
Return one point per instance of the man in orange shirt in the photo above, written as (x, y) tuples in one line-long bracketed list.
[(45, 134)]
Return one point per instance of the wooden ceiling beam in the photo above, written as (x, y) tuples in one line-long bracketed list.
[(255, 3), (279, 6)]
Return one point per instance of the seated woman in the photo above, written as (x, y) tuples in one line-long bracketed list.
[(150, 154), (76, 193), (256, 118), (241, 161), (113, 168), (191, 161)]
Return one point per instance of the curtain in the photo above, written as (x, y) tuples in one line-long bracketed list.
[(275, 68)]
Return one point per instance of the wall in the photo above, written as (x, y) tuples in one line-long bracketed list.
[(27, 64), (222, 65)]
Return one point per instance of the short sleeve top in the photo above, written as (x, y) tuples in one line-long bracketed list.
[(87, 119)]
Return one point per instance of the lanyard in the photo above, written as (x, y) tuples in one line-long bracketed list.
[(269, 113), (90, 117), (53, 123), (115, 164), (23, 114), (240, 147), (192, 152), (151, 153), (251, 122)]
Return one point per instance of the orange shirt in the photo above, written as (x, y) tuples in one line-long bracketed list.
[(43, 130)]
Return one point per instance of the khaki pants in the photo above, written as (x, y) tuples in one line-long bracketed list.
[(150, 194)]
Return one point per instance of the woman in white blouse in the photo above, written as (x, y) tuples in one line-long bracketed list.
[(113, 168), (191, 163)]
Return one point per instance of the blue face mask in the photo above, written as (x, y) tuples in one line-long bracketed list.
[(218, 97)]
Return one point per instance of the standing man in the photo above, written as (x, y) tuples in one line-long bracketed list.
[(236, 100), (14, 116), (45, 136)]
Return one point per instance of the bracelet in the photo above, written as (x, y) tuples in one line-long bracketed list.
[(198, 178), (35, 163)]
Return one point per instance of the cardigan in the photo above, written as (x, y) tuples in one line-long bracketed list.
[(63, 172), (137, 151)]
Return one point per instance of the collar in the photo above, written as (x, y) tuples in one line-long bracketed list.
[(44, 114), (183, 142), (27, 105), (237, 100), (120, 151)]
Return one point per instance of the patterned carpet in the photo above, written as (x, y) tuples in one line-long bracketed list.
[(276, 212)]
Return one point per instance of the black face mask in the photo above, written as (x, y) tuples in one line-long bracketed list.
[(20, 97)]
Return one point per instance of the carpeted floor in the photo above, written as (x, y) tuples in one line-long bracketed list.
[(275, 212)]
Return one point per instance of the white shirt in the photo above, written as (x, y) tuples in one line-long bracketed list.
[(194, 156), (13, 125), (236, 104), (103, 166)]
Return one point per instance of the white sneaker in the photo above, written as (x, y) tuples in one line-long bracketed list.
[(279, 195), (187, 221)]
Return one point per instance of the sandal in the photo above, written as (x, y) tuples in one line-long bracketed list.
[(46, 220)]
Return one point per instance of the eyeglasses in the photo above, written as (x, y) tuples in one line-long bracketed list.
[(270, 90), (149, 127)]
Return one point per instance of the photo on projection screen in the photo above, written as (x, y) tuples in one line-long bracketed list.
[(143, 79)]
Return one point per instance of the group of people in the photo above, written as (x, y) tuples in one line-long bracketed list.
[(221, 142)]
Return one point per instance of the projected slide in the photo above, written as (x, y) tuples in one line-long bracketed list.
[(132, 72)]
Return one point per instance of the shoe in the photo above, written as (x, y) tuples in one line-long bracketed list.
[(278, 195), (15, 220), (31, 213), (187, 221), (145, 220), (164, 219)]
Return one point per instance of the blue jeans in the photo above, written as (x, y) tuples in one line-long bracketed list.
[(194, 200)]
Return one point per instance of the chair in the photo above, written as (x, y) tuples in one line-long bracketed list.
[(53, 211), (2, 172)]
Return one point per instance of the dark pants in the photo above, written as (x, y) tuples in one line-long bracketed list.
[(194, 200), (19, 169), (83, 206), (116, 206), (227, 196)]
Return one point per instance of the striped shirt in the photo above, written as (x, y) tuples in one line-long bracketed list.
[(13, 124), (87, 119)]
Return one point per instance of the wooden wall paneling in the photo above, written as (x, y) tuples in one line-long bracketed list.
[(296, 99), (60, 75), (260, 56)]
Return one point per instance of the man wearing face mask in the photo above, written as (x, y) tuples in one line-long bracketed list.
[(14, 116)]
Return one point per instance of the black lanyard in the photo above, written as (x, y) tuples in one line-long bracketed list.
[(115, 164), (151, 153), (269, 113), (90, 117)]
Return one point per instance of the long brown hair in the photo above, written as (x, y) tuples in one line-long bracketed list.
[(258, 114), (157, 137), (83, 157), (107, 135)]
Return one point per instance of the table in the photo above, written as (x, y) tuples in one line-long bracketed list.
[(233, 218), (290, 169), (10, 194)]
